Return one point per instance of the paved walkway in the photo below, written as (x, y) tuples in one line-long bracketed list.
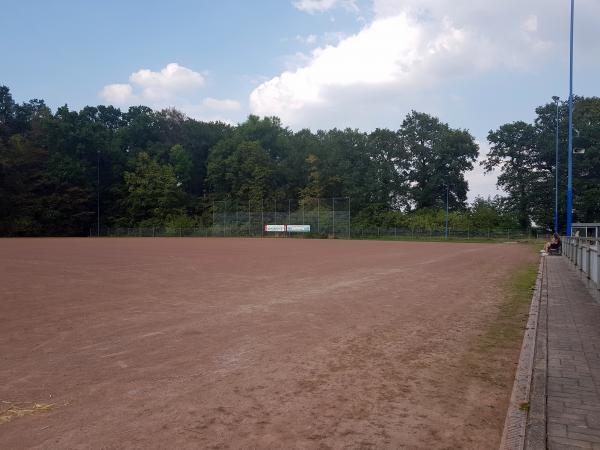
[(573, 351)]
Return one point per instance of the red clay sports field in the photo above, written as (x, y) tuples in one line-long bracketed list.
[(250, 343)]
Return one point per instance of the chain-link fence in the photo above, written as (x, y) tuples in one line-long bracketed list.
[(308, 218), (253, 229), (328, 217)]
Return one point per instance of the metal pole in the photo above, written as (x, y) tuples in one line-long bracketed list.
[(213, 224), (262, 217), (447, 196), (289, 210), (98, 189), (318, 217), (556, 100), (570, 156), (333, 215), (349, 219), (598, 262)]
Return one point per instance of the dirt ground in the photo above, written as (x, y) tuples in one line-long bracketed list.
[(251, 343)]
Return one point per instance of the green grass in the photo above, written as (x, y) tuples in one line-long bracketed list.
[(458, 240), (493, 356), (507, 328)]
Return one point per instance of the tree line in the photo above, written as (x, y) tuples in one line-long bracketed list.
[(160, 168)]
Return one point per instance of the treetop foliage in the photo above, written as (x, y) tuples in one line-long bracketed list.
[(153, 168)]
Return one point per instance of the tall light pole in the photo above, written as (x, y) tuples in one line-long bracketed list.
[(570, 156), (556, 100)]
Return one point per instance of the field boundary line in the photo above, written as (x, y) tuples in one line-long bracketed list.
[(515, 425)]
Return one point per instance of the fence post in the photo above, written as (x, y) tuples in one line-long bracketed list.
[(598, 262), (589, 260), (349, 220), (333, 215), (571, 249), (318, 216), (152, 231)]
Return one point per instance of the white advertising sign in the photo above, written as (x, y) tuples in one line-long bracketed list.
[(275, 228), (298, 228)]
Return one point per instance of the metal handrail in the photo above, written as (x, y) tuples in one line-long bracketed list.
[(584, 253)]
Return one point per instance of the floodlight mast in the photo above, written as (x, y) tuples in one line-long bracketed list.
[(556, 100), (570, 150)]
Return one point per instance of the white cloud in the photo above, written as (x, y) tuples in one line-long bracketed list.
[(317, 6), (146, 86), (173, 79), (392, 53), (311, 39), (481, 183), (221, 105), (119, 94), (531, 24), (174, 86), (417, 50)]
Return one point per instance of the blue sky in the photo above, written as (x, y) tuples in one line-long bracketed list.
[(66, 51), (314, 63)]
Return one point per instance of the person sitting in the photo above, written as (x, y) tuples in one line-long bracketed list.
[(554, 243)]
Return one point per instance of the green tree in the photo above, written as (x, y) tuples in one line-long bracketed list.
[(439, 157), (154, 194), (183, 165), (390, 167), (514, 151)]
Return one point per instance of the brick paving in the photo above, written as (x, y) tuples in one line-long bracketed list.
[(573, 371)]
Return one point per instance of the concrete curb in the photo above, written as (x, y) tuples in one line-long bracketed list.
[(536, 433), (515, 425)]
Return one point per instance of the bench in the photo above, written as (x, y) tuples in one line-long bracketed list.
[(555, 251)]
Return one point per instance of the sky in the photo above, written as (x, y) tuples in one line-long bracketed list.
[(315, 64)]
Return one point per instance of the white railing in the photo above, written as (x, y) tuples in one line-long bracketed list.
[(584, 253)]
